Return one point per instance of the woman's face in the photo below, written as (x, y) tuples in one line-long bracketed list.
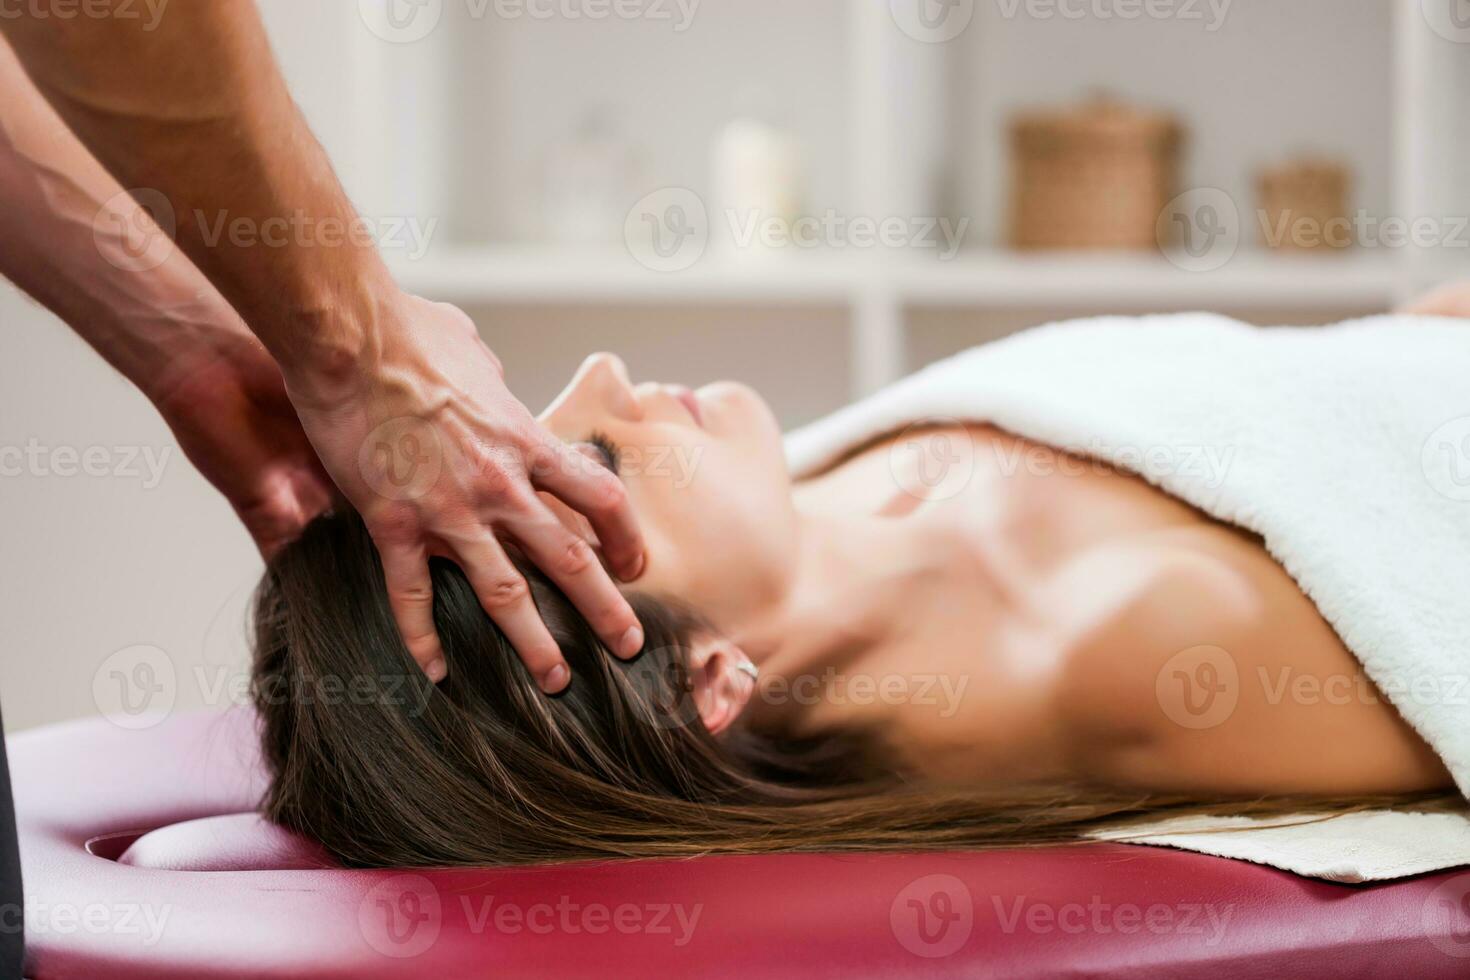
[(706, 476)]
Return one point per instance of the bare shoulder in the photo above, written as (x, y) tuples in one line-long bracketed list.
[(1191, 661)]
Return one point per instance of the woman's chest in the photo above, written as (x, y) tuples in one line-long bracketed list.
[(1038, 506)]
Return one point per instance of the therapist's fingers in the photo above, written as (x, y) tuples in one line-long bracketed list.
[(572, 564), (411, 598), (506, 597), (598, 495)]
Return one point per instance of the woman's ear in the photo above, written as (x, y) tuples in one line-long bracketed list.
[(721, 680)]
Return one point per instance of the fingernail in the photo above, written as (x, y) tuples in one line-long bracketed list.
[(437, 670), (631, 642), (556, 679), (633, 570)]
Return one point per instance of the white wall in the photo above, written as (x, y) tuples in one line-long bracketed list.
[(90, 565)]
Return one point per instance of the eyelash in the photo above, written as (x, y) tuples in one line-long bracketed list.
[(606, 448)]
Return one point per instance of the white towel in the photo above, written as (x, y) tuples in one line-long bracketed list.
[(1346, 448)]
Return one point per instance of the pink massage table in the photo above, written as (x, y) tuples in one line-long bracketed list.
[(142, 859)]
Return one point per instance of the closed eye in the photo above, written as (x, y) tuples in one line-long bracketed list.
[(607, 452)]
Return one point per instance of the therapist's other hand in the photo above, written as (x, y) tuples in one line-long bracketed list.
[(1451, 300), (227, 406), (419, 431)]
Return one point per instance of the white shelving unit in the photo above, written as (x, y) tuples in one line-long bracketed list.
[(449, 128)]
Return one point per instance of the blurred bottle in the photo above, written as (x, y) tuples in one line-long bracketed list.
[(589, 182), (756, 178)]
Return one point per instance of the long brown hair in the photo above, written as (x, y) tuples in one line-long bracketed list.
[(388, 770)]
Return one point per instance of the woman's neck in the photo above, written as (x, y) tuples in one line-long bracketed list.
[(862, 586)]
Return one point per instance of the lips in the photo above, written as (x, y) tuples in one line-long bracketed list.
[(690, 401)]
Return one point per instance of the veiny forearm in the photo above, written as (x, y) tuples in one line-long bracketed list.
[(69, 237), (196, 109)]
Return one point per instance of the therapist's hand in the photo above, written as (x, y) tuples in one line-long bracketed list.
[(227, 406), (417, 428), (1452, 300)]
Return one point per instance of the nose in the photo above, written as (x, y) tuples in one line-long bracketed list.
[(600, 387)]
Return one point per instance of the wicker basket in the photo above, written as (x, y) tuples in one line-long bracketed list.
[(1090, 177), (1304, 205)]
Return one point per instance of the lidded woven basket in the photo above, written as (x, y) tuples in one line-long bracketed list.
[(1094, 176), (1304, 204)]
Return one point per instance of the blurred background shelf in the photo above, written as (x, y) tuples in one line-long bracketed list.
[(980, 279), (459, 131)]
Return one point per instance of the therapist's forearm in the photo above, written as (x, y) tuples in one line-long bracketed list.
[(212, 127), (86, 251)]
